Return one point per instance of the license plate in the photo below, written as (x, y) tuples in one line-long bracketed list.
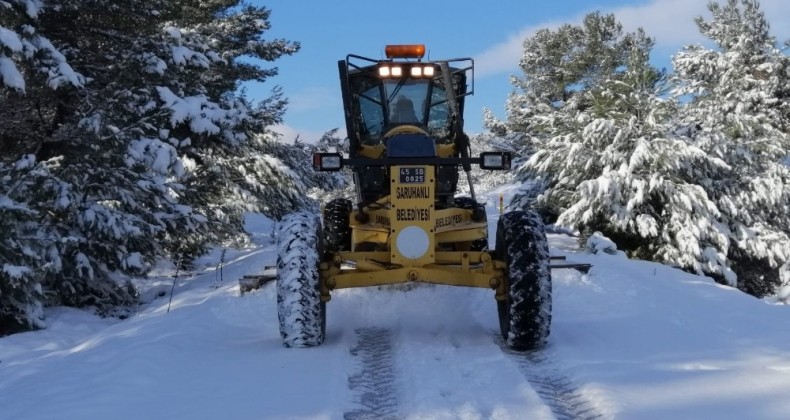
[(412, 175)]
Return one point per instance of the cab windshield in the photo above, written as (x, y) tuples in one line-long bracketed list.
[(386, 103)]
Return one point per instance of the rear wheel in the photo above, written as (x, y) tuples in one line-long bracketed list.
[(337, 232), (525, 316), (478, 215), (301, 313)]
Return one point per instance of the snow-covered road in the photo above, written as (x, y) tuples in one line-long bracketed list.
[(630, 340)]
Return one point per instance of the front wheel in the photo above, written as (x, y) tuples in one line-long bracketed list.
[(337, 233), (301, 313), (525, 315)]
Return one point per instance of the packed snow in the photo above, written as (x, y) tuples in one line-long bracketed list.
[(10, 40), (11, 76), (633, 339)]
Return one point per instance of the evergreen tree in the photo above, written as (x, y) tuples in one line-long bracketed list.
[(604, 154), (738, 104), (312, 188), (232, 173), (646, 196), (120, 196), (282, 177), (560, 69), (21, 259), (32, 72), (142, 140), (486, 180), (30, 67)]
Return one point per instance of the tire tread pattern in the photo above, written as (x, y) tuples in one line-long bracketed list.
[(337, 232), (301, 314), (525, 318)]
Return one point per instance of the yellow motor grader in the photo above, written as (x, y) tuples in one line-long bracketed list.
[(404, 118)]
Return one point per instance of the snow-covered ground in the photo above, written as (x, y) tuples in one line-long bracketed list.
[(630, 340)]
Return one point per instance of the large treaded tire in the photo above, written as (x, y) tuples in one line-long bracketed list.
[(525, 317), (337, 232), (468, 203), (301, 312)]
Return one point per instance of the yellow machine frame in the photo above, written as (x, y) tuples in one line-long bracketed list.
[(411, 205)]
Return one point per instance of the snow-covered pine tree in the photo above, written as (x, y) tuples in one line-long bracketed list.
[(30, 67), (736, 95), (486, 180), (147, 143), (34, 74), (305, 187), (23, 47), (23, 240), (231, 172), (605, 156), (327, 186), (179, 117), (559, 68), (284, 179), (646, 196), (114, 193)]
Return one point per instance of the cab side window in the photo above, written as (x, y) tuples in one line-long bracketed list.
[(439, 115), (372, 117)]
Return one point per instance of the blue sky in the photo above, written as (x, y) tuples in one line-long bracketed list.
[(491, 34)]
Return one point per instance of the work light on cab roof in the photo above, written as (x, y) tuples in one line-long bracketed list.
[(398, 70)]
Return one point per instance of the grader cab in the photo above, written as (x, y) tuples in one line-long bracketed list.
[(404, 118)]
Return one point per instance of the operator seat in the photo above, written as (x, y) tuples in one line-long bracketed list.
[(403, 111)]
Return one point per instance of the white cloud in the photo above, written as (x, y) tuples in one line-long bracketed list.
[(670, 22), (505, 55)]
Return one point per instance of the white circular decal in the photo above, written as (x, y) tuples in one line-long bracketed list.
[(412, 242)]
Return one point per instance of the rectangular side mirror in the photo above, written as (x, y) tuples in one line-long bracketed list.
[(495, 160), (327, 161)]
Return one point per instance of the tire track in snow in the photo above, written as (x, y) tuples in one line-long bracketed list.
[(374, 383), (555, 389)]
